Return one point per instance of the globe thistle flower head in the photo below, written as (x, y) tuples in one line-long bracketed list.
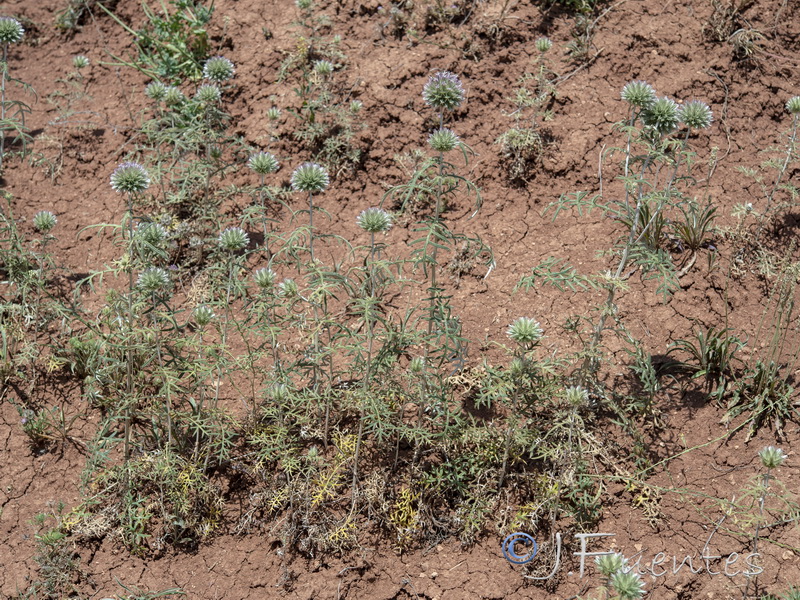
[(274, 113), (153, 279), (11, 30), (310, 177), (793, 105), (208, 94), (155, 90), (443, 91), (203, 315), (662, 115), (80, 61), (323, 67), (444, 140), (374, 220), (695, 114), (173, 97), (608, 564), (44, 221), (543, 44), (130, 178), (639, 94), (577, 396), (263, 163), (279, 392), (629, 586), (218, 69), (288, 288), (264, 278), (154, 234), (772, 457), (525, 331), (233, 239)]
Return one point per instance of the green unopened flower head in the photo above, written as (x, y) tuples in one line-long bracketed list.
[(772, 457), (155, 90), (263, 163), (608, 564), (417, 365), (793, 105), (662, 115), (44, 221), (374, 220), (310, 177), (695, 114), (264, 278), (323, 67), (203, 315), (233, 239), (629, 586), (356, 106), (525, 331), (208, 93), (518, 367), (80, 61), (443, 91), (218, 69), (11, 31), (154, 234), (279, 392), (577, 396), (274, 113), (288, 288), (173, 97), (153, 280), (444, 140), (543, 44), (639, 94), (130, 178)]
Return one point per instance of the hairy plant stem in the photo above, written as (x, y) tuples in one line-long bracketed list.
[(3, 77), (160, 358), (129, 342)]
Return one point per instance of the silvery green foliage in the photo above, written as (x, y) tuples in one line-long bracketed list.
[(772, 457), (11, 31), (695, 114), (156, 90), (153, 280), (208, 94), (233, 239), (310, 177), (154, 234), (374, 220), (577, 396), (525, 331), (80, 61), (274, 113), (323, 67), (793, 105), (662, 115), (264, 278), (444, 140), (288, 288), (130, 178), (44, 221), (443, 91), (203, 315), (639, 94), (263, 163), (608, 564), (218, 69), (629, 586), (543, 44)]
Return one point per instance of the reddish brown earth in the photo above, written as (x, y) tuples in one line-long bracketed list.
[(662, 42)]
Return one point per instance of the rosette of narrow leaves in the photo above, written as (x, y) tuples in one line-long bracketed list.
[(263, 163), (44, 221), (629, 586), (156, 91), (274, 113), (695, 114), (310, 177), (264, 278), (208, 94), (443, 91), (233, 239), (374, 220), (203, 315), (218, 69), (793, 105), (80, 61), (444, 140), (130, 178), (662, 115), (525, 331), (11, 30), (772, 457), (608, 564), (639, 94), (152, 280)]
